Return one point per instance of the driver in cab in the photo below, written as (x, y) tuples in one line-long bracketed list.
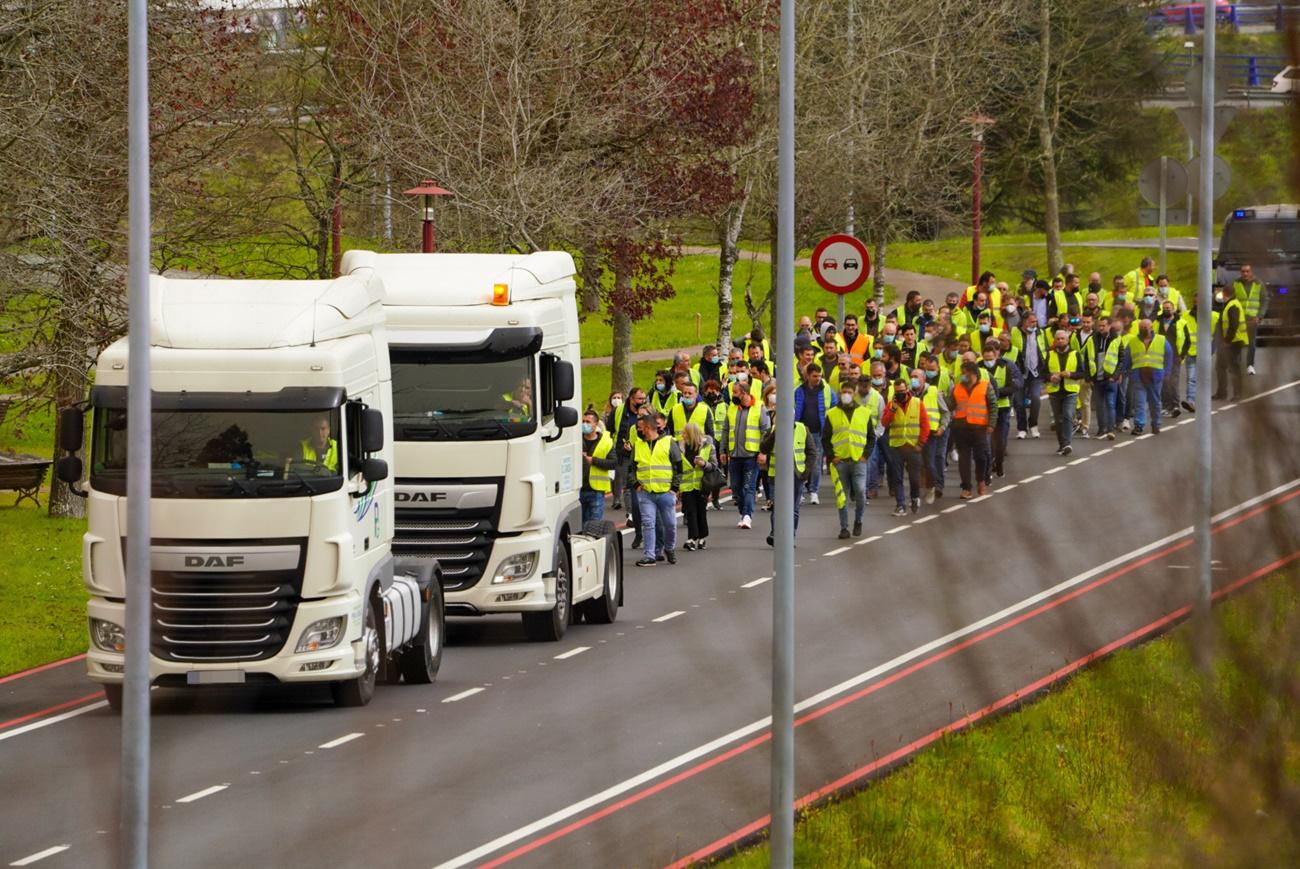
[(319, 448), (519, 404)]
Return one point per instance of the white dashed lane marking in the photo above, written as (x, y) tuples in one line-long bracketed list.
[(40, 855), (206, 792), (672, 615), (759, 581), (898, 529), (925, 519), (872, 539), (1055, 470), (834, 552), (342, 740), (1080, 460), (953, 509), (462, 695), (1031, 479), (569, 654), (1007, 488)]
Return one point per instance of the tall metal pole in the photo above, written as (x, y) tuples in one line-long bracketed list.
[(135, 693), (850, 227), (977, 206), (1205, 329), (783, 590)]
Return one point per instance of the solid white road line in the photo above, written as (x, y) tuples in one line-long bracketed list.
[(456, 698), (569, 654), (53, 719), (206, 792), (40, 855), (834, 552), (759, 581), (844, 687), (872, 539), (672, 615), (342, 740)]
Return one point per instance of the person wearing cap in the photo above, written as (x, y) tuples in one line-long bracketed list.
[(909, 429), (1064, 374)]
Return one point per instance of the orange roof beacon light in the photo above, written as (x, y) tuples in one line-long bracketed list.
[(428, 190), (500, 294)]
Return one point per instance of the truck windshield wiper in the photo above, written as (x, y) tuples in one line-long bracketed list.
[(430, 430), (301, 480), (485, 430)]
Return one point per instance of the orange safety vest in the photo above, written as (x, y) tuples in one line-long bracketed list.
[(972, 405), (860, 349)]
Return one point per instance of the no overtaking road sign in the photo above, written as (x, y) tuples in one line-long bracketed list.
[(841, 264)]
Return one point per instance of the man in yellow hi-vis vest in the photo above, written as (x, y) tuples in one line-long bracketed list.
[(319, 448), (656, 477)]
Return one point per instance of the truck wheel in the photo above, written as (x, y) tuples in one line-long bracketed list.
[(113, 694), (420, 660), (358, 691), (604, 609), (549, 627)]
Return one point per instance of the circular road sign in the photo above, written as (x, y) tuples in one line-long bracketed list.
[(1175, 181), (1222, 176), (841, 264)]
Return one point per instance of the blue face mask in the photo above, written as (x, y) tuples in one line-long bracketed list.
[(889, 339), (985, 328), (916, 384), (989, 363), (932, 375), (877, 381), (587, 428), (688, 402)]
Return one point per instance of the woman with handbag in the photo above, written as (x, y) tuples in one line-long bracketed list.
[(699, 474)]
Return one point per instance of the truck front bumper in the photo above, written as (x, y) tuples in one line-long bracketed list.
[(535, 593), (337, 663)]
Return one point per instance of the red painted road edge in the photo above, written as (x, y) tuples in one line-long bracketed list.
[(960, 724), (749, 829), (41, 668)]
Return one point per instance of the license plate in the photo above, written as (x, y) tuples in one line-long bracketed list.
[(215, 677)]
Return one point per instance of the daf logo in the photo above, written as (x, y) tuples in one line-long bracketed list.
[(421, 497), (214, 560)]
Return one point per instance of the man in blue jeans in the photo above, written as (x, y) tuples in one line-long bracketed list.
[(1152, 359), (742, 432), (812, 399), (656, 477)]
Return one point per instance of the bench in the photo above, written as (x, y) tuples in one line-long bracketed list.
[(24, 475)]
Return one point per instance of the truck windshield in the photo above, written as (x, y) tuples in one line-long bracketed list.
[(1260, 241), (440, 396), (225, 454)]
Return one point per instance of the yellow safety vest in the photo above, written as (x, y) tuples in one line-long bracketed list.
[(1071, 366), (699, 416), (330, 460), (849, 431), (931, 399), (692, 477), (1149, 355), (747, 439), (800, 446), (654, 468), (1242, 336), (1253, 296), (905, 428), (1190, 328), (598, 479)]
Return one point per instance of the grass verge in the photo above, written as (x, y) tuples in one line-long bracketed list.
[(44, 616), (1137, 761)]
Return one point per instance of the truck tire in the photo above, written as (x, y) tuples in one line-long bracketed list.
[(549, 626), (358, 691), (113, 694), (420, 660), (604, 609)]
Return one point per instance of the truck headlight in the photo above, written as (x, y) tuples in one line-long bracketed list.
[(107, 636), (516, 568), (322, 634)]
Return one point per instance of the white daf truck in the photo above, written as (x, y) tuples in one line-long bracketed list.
[(485, 358), (272, 501)]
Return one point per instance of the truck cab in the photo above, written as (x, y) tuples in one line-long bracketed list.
[(485, 358), (272, 507)]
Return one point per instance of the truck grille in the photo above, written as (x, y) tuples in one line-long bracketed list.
[(462, 546), (214, 617)]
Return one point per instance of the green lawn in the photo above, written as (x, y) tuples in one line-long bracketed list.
[(44, 616), (1134, 762)]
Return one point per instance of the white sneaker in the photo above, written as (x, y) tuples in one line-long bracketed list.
[(1085, 434), (746, 522), (1033, 432), (1250, 369), (952, 456), (1020, 435), (813, 499), (1126, 425)]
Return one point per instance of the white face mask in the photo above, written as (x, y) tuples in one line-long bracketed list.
[(616, 402), (846, 398)]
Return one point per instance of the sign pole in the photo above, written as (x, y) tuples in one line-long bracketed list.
[(1205, 331), (1164, 210), (135, 691), (782, 793)]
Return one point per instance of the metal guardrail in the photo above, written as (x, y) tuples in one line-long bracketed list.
[(1248, 71), (1236, 15)]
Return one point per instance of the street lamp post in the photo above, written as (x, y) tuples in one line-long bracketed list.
[(978, 123), (428, 190)]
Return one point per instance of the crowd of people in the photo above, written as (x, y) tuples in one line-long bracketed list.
[(898, 397)]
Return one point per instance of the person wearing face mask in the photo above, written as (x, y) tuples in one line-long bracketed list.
[(880, 394), (598, 467), (909, 429), (742, 432), (664, 396), (1169, 329), (1231, 343), (714, 400), (708, 368), (974, 407), (620, 422), (698, 461), (1115, 298), (1165, 292), (1086, 345), (846, 439), (1034, 367), (889, 334), (613, 419), (933, 453), (870, 319), (982, 332), (1063, 377), (1152, 356), (656, 477), (1006, 381), (689, 409)]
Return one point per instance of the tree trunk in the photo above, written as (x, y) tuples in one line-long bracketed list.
[(70, 383), (1047, 145), (621, 375), (590, 278), (728, 237), (878, 272), (773, 267)]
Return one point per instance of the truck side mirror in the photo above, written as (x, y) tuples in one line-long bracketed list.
[(374, 470), (372, 432), (72, 434), (68, 470), (562, 381), (565, 417)]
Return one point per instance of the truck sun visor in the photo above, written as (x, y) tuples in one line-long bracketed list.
[(288, 398), (510, 342)]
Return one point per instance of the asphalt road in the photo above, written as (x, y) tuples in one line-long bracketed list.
[(644, 742)]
